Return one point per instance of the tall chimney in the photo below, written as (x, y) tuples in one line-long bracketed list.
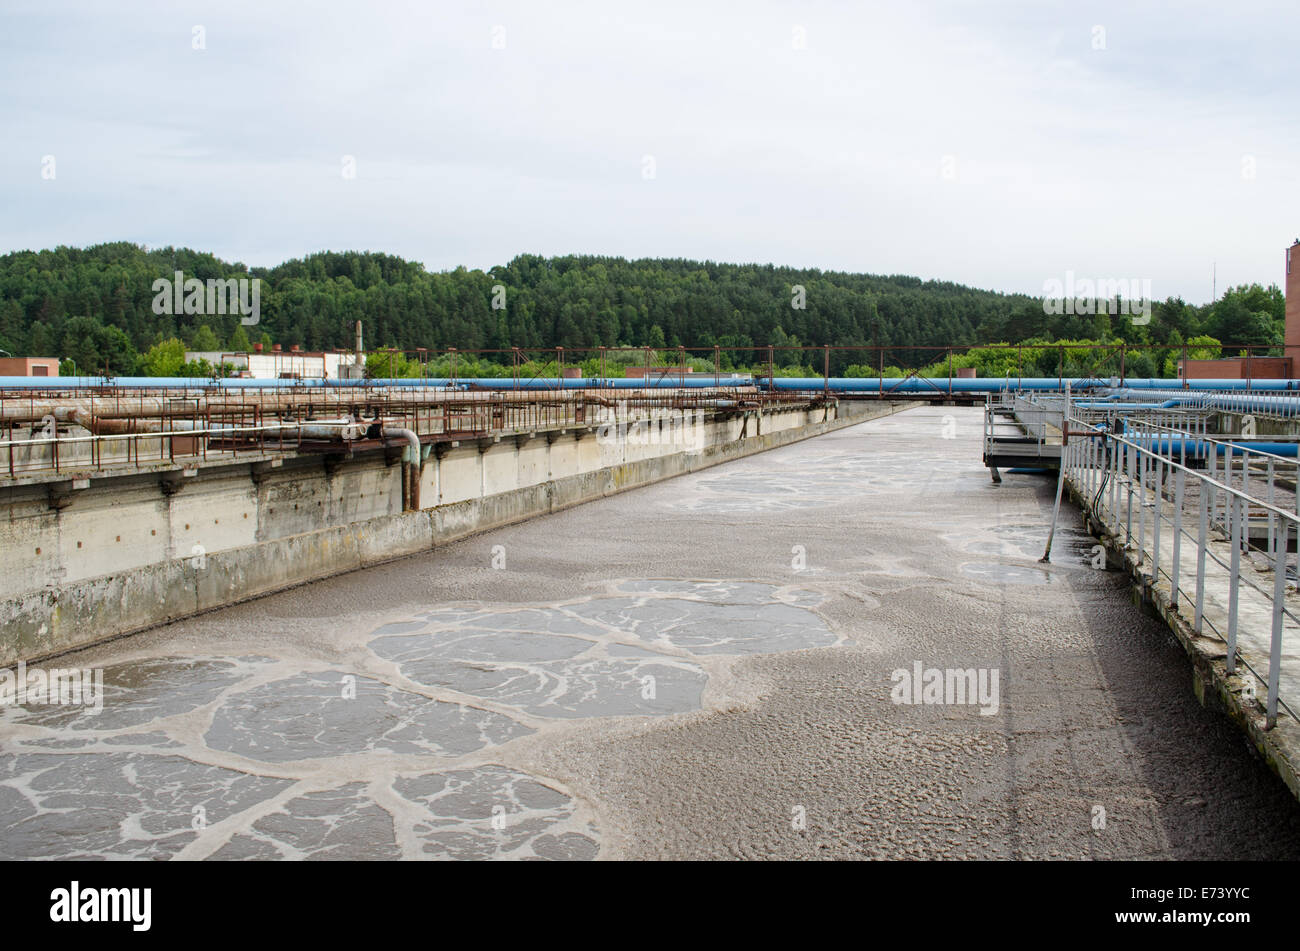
[(359, 347), (1292, 337)]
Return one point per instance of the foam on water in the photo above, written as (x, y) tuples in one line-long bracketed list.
[(404, 752)]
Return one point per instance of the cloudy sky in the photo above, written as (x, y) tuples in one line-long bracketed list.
[(998, 144)]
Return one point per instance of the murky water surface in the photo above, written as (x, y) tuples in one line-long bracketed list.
[(437, 708), (260, 756)]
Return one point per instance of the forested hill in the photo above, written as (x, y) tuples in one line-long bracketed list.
[(564, 301), (99, 300)]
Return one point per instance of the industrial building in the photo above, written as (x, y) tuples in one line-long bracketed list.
[(29, 366), (277, 364)]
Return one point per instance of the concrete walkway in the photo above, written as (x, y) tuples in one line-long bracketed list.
[(1255, 592)]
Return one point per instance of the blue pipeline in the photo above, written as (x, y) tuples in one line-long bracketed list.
[(1273, 402), (197, 383), (1264, 395), (665, 382), (1199, 448), (1102, 404), (690, 381), (1253, 386), (944, 385), (918, 384)]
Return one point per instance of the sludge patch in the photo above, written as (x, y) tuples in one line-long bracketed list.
[(340, 823), (116, 805), (629, 653), (496, 813), (487, 812), (142, 691), (313, 715)]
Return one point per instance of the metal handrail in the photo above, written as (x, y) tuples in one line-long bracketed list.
[(481, 413), (1087, 463)]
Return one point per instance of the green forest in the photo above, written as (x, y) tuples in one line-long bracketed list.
[(94, 308)]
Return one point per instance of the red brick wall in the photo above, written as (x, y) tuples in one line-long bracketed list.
[(1261, 368), (22, 366), (1292, 287)]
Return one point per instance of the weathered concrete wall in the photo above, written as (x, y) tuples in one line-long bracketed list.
[(1231, 423), (131, 552)]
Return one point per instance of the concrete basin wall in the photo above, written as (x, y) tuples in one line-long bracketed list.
[(124, 553)]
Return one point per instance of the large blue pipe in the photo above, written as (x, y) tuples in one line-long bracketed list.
[(666, 382), (1199, 448), (1105, 404), (1264, 394), (690, 381), (1275, 402), (184, 382), (934, 385), (943, 385), (1254, 386)]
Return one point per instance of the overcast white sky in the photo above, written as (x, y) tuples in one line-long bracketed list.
[(990, 143)]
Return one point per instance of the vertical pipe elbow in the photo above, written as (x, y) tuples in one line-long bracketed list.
[(412, 442)]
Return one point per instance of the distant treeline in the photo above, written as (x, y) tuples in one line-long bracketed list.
[(95, 307)]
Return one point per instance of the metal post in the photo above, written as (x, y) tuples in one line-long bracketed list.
[(1131, 459), (1275, 645), (1200, 560), (1210, 465), (1085, 467), (1269, 499), (1099, 461), (1155, 528), (1179, 478), (1116, 448), (1060, 476), (1142, 504), (1235, 516)]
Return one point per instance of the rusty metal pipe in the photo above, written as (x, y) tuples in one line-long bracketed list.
[(412, 464)]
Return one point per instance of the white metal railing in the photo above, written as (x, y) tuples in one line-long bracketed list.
[(1144, 487), (62, 445), (1036, 419), (161, 446)]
